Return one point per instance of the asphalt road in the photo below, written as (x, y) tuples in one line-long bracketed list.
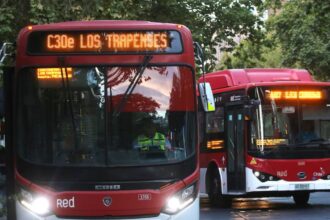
[(269, 208)]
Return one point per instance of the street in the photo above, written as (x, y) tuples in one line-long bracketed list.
[(269, 208)]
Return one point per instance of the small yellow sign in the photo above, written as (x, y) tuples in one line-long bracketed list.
[(253, 161), (215, 144), (54, 73), (271, 142)]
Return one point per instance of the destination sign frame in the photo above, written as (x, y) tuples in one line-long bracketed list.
[(104, 42)]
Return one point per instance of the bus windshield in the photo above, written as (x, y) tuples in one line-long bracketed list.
[(95, 115), (291, 128)]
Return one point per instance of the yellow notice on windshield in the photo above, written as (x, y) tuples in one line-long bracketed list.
[(54, 73), (271, 142)]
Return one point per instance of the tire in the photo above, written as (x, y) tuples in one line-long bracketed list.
[(301, 199), (217, 199)]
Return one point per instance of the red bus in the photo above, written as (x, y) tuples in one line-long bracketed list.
[(80, 96), (268, 136)]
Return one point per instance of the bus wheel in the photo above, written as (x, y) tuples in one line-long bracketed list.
[(301, 199), (214, 191)]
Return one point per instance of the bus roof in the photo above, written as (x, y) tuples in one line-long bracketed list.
[(258, 76), (104, 24)]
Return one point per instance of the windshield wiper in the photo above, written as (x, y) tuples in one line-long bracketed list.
[(277, 148), (132, 85)]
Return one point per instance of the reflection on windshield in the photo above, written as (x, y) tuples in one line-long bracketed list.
[(69, 120)]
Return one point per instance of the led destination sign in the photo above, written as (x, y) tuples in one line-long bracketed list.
[(292, 95), (113, 41), (104, 42), (54, 73)]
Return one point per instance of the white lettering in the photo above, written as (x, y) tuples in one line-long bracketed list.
[(59, 203), (317, 174), (65, 203), (145, 196), (282, 173), (107, 187)]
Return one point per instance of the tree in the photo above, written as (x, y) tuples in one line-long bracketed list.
[(219, 23), (213, 23), (6, 20), (303, 31), (265, 54)]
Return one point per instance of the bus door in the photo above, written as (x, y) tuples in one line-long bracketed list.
[(235, 129)]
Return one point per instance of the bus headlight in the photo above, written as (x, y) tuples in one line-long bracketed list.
[(263, 177), (181, 199), (37, 204)]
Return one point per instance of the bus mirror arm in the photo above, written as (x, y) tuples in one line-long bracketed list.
[(204, 87), (250, 107), (254, 103)]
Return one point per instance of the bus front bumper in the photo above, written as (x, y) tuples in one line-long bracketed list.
[(191, 212), (253, 184)]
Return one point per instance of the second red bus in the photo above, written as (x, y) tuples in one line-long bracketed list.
[(268, 136)]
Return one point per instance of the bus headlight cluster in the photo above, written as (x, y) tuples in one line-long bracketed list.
[(40, 205), (181, 199), (326, 177), (263, 177)]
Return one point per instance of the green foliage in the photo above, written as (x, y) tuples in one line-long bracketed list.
[(297, 37), (303, 30), (272, 6), (6, 20), (212, 22), (218, 23), (265, 54)]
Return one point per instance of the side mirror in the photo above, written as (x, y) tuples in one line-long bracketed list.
[(6, 50), (206, 96)]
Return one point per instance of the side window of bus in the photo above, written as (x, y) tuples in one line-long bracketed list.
[(215, 132), (215, 121)]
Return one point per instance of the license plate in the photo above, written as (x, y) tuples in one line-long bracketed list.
[(301, 186)]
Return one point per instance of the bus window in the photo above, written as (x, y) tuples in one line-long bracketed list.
[(325, 130), (64, 116), (215, 121)]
